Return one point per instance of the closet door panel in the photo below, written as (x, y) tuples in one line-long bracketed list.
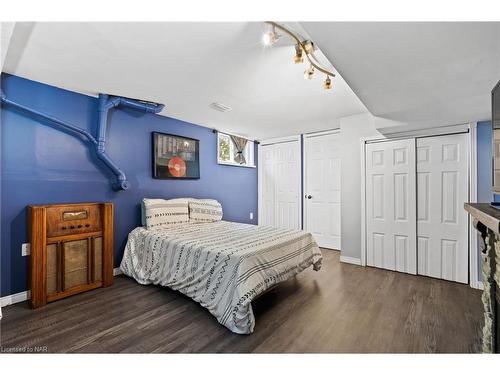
[(390, 203), (279, 185), (442, 170), (287, 184), (267, 185)]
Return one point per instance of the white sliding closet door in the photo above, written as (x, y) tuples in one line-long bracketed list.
[(322, 188), (390, 205), (288, 185), (279, 184), (267, 183), (442, 178)]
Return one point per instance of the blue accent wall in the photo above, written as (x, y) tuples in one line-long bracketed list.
[(42, 165), (484, 161), (484, 171)]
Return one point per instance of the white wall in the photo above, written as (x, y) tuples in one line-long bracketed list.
[(353, 128), (6, 29)]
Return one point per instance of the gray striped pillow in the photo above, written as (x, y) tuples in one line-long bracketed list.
[(162, 212), (204, 210)]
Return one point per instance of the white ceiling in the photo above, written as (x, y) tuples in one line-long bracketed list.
[(416, 74), (420, 74), (186, 66)]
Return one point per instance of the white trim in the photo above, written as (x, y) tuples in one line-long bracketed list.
[(363, 198), (259, 184), (236, 135), (350, 260), (271, 141), (15, 298), (479, 285), (320, 133), (26, 295), (302, 181), (473, 250), (234, 164), (442, 130)]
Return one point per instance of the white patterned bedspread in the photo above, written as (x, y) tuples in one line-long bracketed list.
[(221, 265)]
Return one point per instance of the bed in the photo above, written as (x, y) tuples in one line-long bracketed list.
[(222, 265)]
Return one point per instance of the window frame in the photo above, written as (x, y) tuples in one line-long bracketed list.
[(249, 153)]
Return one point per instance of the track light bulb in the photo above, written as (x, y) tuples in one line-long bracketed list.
[(308, 73), (328, 83), (270, 37), (298, 54), (308, 46)]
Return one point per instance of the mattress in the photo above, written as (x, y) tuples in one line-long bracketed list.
[(221, 265)]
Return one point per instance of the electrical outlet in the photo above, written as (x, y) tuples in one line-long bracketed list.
[(25, 249), (251, 215)]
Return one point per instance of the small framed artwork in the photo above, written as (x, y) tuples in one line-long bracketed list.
[(175, 157)]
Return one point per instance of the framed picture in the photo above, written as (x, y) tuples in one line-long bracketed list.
[(175, 157)]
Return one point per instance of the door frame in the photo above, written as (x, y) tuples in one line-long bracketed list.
[(304, 172), (471, 130), (268, 142), (473, 239)]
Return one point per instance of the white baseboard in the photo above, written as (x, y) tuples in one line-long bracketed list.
[(15, 298), (478, 285), (117, 271), (350, 260), (24, 296)]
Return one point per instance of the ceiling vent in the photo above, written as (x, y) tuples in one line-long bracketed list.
[(220, 107)]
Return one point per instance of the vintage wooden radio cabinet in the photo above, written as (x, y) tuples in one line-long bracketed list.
[(71, 249)]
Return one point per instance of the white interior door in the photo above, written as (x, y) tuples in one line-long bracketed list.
[(279, 184), (391, 205), (322, 188), (442, 185)]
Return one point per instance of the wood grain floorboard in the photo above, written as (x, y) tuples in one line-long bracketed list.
[(341, 309)]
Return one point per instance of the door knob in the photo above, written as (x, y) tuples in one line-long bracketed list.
[(309, 196)]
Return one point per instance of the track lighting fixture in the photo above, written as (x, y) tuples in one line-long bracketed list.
[(302, 47), (270, 37), (308, 46), (328, 83), (308, 73), (298, 54)]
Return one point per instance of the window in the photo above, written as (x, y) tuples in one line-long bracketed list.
[(226, 151)]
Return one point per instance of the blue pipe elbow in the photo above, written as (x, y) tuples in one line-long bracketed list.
[(142, 106), (104, 105)]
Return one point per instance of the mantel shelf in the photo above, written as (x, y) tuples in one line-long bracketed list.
[(484, 213)]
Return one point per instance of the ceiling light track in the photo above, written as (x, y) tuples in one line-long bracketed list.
[(303, 47)]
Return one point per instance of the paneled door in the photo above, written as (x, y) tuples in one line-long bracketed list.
[(287, 169), (279, 184), (442, 185), (267, 183), (322, 188), (391, 205)]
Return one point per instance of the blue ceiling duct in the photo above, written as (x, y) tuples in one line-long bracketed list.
[(106, 103)]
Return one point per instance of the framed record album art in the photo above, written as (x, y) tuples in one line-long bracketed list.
[(175, 157)]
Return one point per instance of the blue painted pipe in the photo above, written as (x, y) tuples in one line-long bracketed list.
[(105, 104), (63, 124)]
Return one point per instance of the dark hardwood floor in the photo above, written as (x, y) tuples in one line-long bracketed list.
[(342, 308)]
